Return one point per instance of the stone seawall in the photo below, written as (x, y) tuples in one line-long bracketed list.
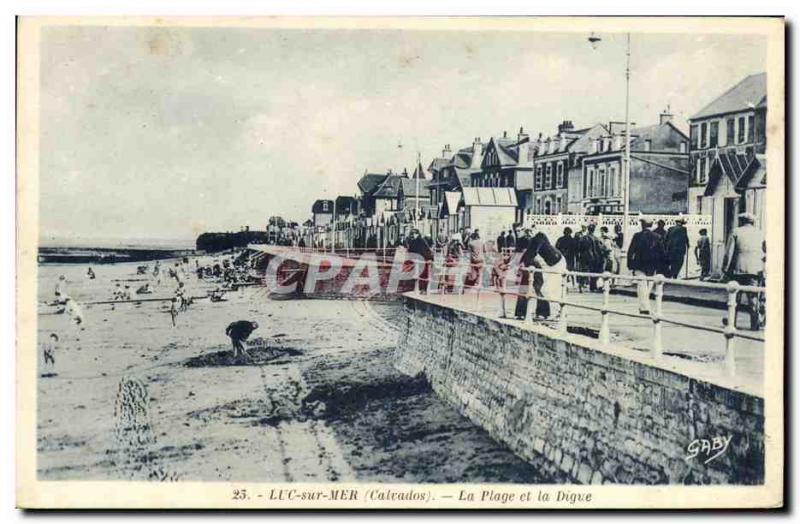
[(580, 412), (294, 267)]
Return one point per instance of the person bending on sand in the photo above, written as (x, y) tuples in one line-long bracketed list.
[(238, 332)]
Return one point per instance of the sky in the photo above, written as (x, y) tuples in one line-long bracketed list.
[(165, 133)]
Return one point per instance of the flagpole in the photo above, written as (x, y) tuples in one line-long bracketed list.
[(419, 174)]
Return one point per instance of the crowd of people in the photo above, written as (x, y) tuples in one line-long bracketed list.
[(652, 251)]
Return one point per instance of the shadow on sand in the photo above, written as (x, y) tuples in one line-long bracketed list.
[(259, 356)]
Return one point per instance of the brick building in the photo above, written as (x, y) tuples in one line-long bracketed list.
[(557, 168), (728, 162), (659, 171)]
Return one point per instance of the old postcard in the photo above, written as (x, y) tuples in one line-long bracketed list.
[(400, 263)]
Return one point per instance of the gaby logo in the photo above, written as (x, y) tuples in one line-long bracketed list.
[(708, 448)]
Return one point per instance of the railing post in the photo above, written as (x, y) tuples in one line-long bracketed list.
[(730, 329), (562, 312), (658, 348), (529, 311), (419, 274), (605, 331)]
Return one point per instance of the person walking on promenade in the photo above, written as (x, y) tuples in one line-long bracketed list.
[(501, 242), (511, 242), (591, 258), (702, 253), (418, 246), (542, 255), (523, 241), (662, 235), (90, 274), (644, 259), (452, 262), (238, 332), (744, 263), (567, 245), (477, 251), (677, 245)]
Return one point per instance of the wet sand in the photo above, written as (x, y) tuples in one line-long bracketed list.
[(135, 398)]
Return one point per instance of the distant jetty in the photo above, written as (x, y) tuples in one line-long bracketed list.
[(107, 255)]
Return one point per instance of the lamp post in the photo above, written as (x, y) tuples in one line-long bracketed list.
[(595, 40)]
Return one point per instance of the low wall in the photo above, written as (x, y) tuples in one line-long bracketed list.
[(581, 414)]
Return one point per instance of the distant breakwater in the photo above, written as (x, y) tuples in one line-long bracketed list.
[(107, 255)]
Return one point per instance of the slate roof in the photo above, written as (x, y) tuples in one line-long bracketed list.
[(437, 164), (737, 167), (346, 205), (318, 206), (370, 182), (389, 188), (749, 93), (578, 140), (409, 187)]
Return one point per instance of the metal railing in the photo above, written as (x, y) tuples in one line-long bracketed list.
[(656, 316)]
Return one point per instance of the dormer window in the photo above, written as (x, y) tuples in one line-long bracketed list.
[(648, 144)]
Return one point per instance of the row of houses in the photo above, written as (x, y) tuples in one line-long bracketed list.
[(718, 169)]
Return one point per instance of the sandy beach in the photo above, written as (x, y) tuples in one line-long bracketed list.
[(134, 398)]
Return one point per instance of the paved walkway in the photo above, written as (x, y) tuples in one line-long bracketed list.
[(690, 351)]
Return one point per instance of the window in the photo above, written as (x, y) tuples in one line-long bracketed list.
[(682, 147), (693, 134), (648, 144), (538, 177), (324, 207), (714, 134), (731, 138), (704, 135), (588, 182), (560, 174), (700, 171), (750, 129), (699, 209), (614, 180), (600, 190), (740, 132), (539, 205), (548, 179), (558, 205)]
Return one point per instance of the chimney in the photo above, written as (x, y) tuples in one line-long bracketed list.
[(539, 145), (405, 173), (562, 141), (505, 135), (446, 151), (523, 149), (566, 125), (665, 116), (477, 153)]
